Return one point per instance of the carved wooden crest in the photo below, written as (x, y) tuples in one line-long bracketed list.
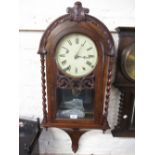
[(77, 13)]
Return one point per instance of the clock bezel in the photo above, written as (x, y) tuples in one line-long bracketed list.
[(67, 74), (124, 57)]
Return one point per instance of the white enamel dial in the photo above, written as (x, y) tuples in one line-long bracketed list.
[(76, 55)]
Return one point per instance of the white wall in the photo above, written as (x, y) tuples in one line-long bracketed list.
[(35, 16)]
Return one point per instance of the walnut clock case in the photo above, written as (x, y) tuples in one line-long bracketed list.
[(77, 52), (125, 82)]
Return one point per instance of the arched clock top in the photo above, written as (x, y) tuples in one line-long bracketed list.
[(78, 20)]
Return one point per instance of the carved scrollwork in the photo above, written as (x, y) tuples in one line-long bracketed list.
[(65, 82), (89, 82)]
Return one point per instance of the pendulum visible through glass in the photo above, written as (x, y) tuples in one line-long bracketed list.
[(75, 103), (76, 92)]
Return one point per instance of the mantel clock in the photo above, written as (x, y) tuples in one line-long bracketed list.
[(76, 53)]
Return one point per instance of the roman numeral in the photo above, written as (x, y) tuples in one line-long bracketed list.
[(91, 56), (64, 62), (67, 68), (89, 64), (77, 40), (88, 49), (69, 42), (76, 70), (67, 51)]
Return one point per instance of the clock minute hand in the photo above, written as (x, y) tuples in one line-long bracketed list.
[(76, 55), (78, 51)]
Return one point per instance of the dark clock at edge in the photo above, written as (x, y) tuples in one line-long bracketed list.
[(126, 116)]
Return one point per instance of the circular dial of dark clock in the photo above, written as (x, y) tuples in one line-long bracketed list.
[(76, 55), (129, 61)]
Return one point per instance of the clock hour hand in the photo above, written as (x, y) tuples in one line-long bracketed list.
[(84, 57), (78, 56)]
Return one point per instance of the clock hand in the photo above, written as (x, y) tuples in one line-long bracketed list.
[(85, 57), (76, 55), (78, 51)]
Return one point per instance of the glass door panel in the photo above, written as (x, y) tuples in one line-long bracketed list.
[(73, 104)]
